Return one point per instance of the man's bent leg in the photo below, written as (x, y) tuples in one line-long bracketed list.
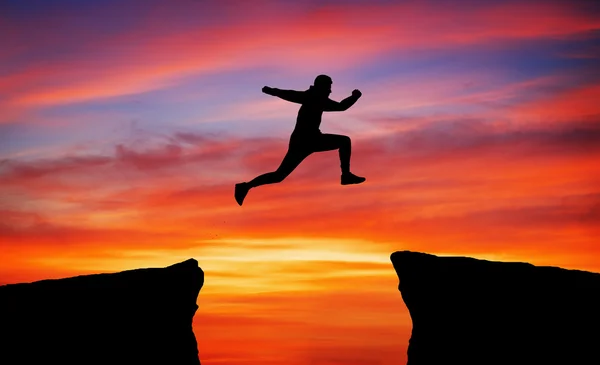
[(328, 142)]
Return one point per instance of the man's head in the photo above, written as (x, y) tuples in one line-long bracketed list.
[(322, 85)]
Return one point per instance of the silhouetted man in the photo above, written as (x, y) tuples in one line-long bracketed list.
[(307, 137)]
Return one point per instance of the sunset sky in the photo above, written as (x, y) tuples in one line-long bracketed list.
[(124, 126)]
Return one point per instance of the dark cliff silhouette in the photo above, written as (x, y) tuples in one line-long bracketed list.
[(307, 138), (469, 311), (141, 316)]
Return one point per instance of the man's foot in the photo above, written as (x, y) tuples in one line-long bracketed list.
[(350, 178), (241, 190)]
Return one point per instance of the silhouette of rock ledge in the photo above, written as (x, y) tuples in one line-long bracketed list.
[(141, 316), (470, 311)]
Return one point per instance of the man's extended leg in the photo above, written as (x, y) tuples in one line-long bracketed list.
[(329, 142), (292, 159)]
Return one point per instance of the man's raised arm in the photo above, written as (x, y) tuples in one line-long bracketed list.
[(289, 95), (334, 106)]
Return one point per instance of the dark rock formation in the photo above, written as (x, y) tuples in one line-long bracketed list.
[(469, 311), (139, 316)]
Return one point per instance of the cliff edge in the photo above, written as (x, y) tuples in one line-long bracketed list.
[(470, 311), (141, 316)]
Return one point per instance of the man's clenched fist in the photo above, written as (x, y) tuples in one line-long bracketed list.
[(356, 93)]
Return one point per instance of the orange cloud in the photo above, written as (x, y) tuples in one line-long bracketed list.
[(441, 193)]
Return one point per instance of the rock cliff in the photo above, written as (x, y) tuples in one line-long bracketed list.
[(470, 311), (141, 316)]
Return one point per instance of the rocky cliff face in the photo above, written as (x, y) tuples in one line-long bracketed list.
[(469, 311), (139, 316)]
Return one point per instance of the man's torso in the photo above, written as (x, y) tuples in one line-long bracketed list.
[(309, 115)]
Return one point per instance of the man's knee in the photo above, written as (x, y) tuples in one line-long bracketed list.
[(345, 140)]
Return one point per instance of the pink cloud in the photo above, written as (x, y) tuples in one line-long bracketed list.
[(335, 36), (577, 103)]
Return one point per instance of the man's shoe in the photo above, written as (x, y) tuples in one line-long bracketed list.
[(241, 190), (350, 178)]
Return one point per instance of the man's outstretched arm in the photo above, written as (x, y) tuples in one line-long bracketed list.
[(289, 95), (334, 106)]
